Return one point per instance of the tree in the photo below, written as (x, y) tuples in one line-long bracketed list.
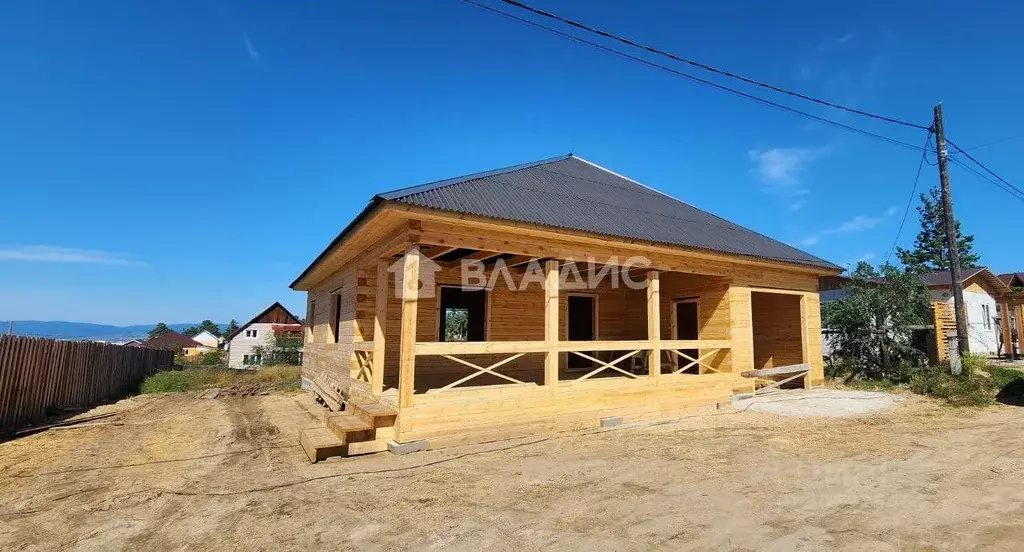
[(232, 327), (158, 330), (205, 325), (864, 270), (871, 325), (281, 348), (930, 251)]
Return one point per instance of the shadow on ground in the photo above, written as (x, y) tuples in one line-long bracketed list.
[(1012, 394)]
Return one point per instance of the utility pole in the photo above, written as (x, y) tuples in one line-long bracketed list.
[(950, 223)]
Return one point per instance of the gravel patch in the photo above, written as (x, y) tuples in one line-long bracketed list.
[(818, 402)]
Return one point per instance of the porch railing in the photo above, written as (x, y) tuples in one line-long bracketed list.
[(584, 349)]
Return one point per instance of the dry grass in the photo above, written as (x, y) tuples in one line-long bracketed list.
[(192, 379)]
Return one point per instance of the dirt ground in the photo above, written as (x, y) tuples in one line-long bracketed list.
[(181, 472)]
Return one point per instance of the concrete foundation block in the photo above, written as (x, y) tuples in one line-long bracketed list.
[(611, 422), (406, 448)]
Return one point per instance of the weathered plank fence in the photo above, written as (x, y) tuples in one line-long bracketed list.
[(37, 375)]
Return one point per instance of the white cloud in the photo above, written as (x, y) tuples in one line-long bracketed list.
[(859, 223), (845, 38), (55, 254), (253, 54), (866, 257), (781, 169)]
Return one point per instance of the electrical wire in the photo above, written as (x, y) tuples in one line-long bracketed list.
[(990, 180), (688, 76), (994, 142), (913, 192), (988, 170), (710, 68)]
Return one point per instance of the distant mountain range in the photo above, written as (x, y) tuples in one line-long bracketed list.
[(86, 331)]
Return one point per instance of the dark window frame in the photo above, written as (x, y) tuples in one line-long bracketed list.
[(475, 300)]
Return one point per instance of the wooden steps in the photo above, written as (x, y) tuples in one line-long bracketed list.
[(362, 428), (320, 443)]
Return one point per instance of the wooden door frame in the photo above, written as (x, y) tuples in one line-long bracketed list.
[(565, 334), (437, 307), (674, 324)]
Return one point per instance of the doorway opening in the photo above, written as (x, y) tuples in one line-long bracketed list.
[(581, 325)]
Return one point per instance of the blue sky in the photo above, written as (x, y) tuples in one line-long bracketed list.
[(186, 160)]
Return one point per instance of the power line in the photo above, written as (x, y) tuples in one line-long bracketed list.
[(994, 142), (987, 178), (988, 170), (913, 192), (707, 67), (693, 78)]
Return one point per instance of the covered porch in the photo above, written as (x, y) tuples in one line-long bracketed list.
[(544, 340)]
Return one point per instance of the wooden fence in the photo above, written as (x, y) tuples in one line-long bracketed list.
[(38, 375)]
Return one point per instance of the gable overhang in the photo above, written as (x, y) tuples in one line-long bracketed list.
[(992, 283), (383, 218), (263, 313)]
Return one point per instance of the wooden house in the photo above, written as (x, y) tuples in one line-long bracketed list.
[(176, 342), (246, 344), (447, 361), (986, 298), (1011, 313)]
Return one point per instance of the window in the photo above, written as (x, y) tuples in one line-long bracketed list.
[(463, 315), (251, 360), (251, 333), (987, 314), (311, 321), (337, 318)]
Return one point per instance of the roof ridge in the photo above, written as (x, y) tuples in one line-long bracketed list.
[(420, 188)]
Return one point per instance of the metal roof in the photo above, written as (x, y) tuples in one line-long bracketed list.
[(572, 193), (943, 278)]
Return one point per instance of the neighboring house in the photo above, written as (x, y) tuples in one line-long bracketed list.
[(208, 339), (245, 344), (460, 361), (983, 293), (176, 342), (1011, 312), (1014, 280)]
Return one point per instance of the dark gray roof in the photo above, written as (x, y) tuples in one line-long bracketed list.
[(569, 192), (943, 278)]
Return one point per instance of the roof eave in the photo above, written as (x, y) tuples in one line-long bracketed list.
[(375, 202)]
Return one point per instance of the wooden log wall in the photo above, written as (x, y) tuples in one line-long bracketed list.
[(37, 375), (777, 330)]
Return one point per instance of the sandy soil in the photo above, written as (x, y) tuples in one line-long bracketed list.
[(829, 403), (226, 474)]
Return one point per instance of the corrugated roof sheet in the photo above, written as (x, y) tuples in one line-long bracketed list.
[(569, 192)]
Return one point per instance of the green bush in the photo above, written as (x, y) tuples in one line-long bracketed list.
[(979, 385), (972, 363), (172, 381)]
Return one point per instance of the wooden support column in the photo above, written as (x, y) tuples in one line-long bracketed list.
[(551, 326), (805, 350), (741, 329), (1004, 327), (380, 316), (407, 358), (1019, 323), (654, 324)]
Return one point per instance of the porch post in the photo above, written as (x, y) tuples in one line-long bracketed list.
[(654, 324), (1004, 327), (380, 316), (551, 325), (410, 294), (805, 351), (1019, 323)]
